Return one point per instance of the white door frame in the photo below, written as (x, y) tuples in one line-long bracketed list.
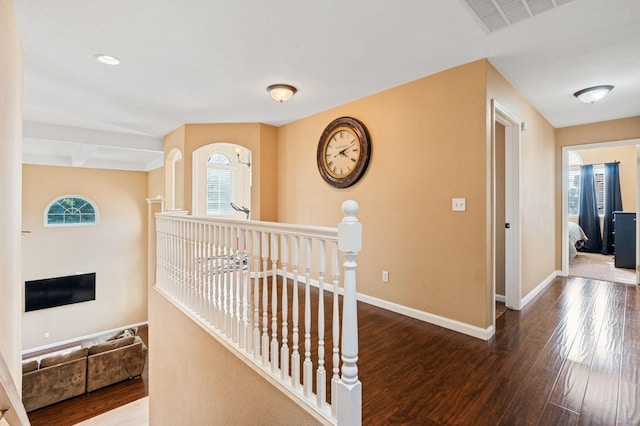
[(512, 124), (565, 196)]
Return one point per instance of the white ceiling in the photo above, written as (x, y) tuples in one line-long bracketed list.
[(210, 61)]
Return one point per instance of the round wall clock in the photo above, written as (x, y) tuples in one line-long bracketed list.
[(343, 152)]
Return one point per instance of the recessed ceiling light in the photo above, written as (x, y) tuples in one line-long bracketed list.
[(106, 59)]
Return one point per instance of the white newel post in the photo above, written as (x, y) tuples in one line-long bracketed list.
[(154, 205), (349, 388)]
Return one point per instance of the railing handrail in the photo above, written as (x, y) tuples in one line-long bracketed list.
[(309, 231), (15, 413), (231, 276)]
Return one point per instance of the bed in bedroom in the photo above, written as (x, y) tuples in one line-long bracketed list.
[(577, 238)]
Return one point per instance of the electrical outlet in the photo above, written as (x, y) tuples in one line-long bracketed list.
[(46, 334), (385, 276)]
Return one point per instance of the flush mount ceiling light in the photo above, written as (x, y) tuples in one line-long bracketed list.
[(281, 92), (591, 95), (106, 59)]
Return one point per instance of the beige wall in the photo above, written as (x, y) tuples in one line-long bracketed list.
[(196, 381), (155, 186), (428, 146), (10, 190), (258, 138), (537, 183), (624, 129), (116, 249)]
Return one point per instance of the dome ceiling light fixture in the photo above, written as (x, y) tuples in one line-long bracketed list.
[(106, 59), (281, 92), (591, 95)]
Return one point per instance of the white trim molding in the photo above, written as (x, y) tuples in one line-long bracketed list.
[(448, 323), (539, 288), (451, 324)]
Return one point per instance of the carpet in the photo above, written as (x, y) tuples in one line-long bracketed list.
[(600, 267)]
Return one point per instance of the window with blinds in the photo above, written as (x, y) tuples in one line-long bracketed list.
[(574, 190), (598, 176), (219, 184), (573, 184)]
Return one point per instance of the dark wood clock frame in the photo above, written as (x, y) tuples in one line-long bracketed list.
[(364, 143)]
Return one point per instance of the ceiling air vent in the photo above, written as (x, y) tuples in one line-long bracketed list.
[(494, 15)]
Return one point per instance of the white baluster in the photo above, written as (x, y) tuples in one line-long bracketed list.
[(307, 369), (228, 289), (245, 270), (284, 350), (237, 261), (184, 270), (209, 275), (182, 251), (168, 242), (295, 356), (219, 278), (177, 255), (335, 272), (189, 302), (274, 302), (177, 270), (349, 389), (256, 295), (174, 259), (321, 374), (183, 273), (202, 261), (198, 268), (190, 264), (233, 284), (265, 299)]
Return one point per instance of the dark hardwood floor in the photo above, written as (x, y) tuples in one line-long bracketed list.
[(78, 409), (570, 357)]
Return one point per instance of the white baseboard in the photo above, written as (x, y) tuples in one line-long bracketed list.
[(460, 327), (500, 298), (77, 339), (544, 284)]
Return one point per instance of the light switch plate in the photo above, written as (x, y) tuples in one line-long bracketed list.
[(459, 204)]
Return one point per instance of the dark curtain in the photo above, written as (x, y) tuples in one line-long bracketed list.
[(612, 203), (588, 218)]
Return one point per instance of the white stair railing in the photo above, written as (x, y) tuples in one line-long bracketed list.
[(233, 277)]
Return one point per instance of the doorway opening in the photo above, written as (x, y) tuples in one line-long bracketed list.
[(506, 275), (596, 265)]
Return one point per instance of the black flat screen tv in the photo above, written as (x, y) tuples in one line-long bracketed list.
[(59, 291)]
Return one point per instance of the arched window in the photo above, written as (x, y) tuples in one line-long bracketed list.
[(71, 210), (219, 179), (219, 184)]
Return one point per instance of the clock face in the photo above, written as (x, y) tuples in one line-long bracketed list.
[(343, 152)]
